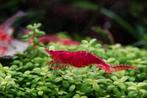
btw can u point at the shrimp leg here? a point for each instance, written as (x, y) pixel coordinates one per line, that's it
(105, 68)
(60, 66)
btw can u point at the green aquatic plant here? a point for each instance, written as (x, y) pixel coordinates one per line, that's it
(33, 34)
(30, 76)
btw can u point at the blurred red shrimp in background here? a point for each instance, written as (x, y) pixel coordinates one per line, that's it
(45, 39)
(6, 26)
(69, 42)
(5, 38)
(6, 31)
(3, 50)
(49, 38)
(57, 39)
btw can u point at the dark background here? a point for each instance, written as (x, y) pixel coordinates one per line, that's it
(110, 21)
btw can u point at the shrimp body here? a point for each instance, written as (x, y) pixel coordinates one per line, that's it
(5, 37)
(6, 26)
(81, 59)
(56, 39)
(6, 29)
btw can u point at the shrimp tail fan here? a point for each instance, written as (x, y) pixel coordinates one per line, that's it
(121, 67)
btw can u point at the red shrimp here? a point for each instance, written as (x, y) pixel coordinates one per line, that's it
(5, 37)
(6, 29)
(6, 26)
(69, 42)
(3, 50)
(48, 38)
(57, 39)
(81, 59)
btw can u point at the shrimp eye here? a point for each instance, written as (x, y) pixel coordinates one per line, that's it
(51, 51)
